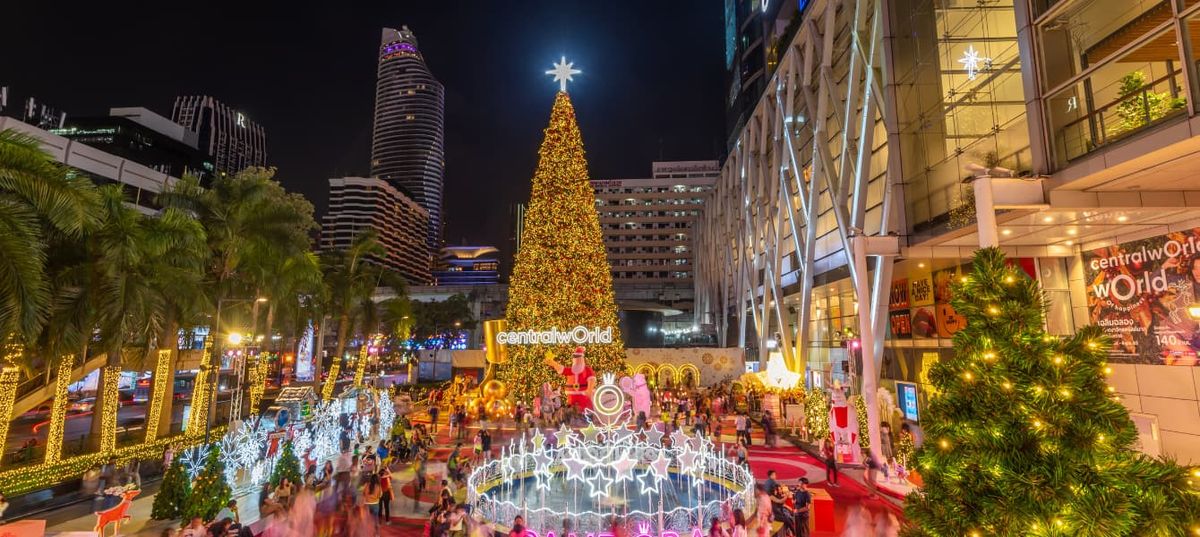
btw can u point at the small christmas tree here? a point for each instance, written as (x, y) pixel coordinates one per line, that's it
(860, 414)
(1024, 437)
(210, 492)
(816, 414)
(561, 277)
(172, 495)
(287, 466)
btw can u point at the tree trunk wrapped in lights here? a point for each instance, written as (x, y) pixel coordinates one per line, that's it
(561, 278)
(104, 411)
(201, 386)
(327, 389)
(1025, 438)
(58, 409)
(360, 367)
(161, 383)
(10, 376)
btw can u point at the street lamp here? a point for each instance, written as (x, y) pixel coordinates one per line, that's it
(234, 339)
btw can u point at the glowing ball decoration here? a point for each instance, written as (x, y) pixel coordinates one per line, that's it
(493, 389)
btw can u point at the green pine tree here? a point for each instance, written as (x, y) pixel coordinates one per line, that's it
(288, 466)
(172, 495)
(210, 492)
(1025, 438)
(816, 415)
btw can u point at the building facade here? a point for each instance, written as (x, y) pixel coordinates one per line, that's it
(895, 138)
(359, 204)
(140, 183)
(648, 233)
(468, 265)
(231, 139)
(407, 148)
(144, 137)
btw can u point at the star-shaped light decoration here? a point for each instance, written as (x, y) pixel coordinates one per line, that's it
(659, 465)
(648, 483)
(653, 435)
(590, 434)
(563, 71)
(563, 436)
(575, 468)
(679, 439)
(539, 442)
(542, 471)
(599, 483)
(619, 435)
(971, 61)
(623, 467)
(687, 463)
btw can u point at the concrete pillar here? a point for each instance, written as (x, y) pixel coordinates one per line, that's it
(870, 373)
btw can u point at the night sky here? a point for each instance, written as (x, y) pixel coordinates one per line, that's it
(651, 85)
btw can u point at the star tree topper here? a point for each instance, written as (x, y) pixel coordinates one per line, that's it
(563, 71)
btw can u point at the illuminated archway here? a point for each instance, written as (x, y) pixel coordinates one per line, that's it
(688, 376)
(667, 376)
(646, 370)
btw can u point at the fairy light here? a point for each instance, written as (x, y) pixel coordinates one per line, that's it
(200, 392)
(1007, 385)
(258, 382)
(360, 367)
(969, 376)
(1058, 360)
(944, 444)
(109, 404)
(161, 380)
(989, 356)
(993, 310)
(327, 389)
(1107, 370)
(9, 377)
(58, 409)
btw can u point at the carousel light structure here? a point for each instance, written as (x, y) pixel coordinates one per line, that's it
(648, 480)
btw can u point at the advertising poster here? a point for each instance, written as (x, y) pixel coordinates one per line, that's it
(948, 320)
(920, 299)
(906, 393)
(304, 355)
(1139, 292)
(900, 322)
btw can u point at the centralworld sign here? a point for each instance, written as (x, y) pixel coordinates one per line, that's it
(580, 335)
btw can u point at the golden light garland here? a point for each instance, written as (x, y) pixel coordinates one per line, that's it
(360, 368)
(258, 381)
(58, 409)
(110, 403)
(162, 379)
(200, 390)
(327, 390)
(10, 376)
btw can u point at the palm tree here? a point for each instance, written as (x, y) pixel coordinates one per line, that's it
(39, 200)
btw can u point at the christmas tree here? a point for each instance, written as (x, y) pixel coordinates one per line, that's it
(172, 495)
(561, 278)
(288, 466)
(1024, 436)
(210, 492)
(816, 415)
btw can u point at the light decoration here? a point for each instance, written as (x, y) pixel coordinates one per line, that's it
(193, 460)
(563, 72)
(360, 366)
(777, 375)
(163, 378)
(201, 386)
(593, 475)
(561, 277)
(258, 381)
(10, 375)
(334, 371)
(58, 409)
(109, 404)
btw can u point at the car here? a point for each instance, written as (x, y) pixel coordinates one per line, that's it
(40, 412)
(83, 405)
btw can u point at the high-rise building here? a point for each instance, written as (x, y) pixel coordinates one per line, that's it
(407, 141)
(757, 34)
(143, 137)
(30, 110)
(234, 142)
(648, 234)
(359, 204)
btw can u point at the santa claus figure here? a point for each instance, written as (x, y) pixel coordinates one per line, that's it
(578, 380)
(843, 425)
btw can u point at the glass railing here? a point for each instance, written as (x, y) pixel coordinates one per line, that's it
(1082, 122)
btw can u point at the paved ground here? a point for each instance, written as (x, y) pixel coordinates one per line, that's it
(856, 513)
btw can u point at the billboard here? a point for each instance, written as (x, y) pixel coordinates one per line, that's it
(1139, 292)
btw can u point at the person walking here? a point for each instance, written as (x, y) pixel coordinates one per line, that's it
(385, 500)
(433, 418)
(831, 470)
(372, 493)
(801, 504)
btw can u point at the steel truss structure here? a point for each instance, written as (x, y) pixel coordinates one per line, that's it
(809, 189)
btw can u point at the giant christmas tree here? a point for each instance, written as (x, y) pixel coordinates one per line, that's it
(561, 278)
(1025, 438)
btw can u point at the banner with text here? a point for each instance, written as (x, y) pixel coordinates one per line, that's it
(1139, 292)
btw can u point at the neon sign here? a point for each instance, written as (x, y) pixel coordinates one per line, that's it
(578, 335)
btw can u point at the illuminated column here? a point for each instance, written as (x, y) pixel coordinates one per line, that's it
(161, 382)
(327, 391)
(200, 389)
(360, 368)
(258, 379)
(58, 409)
(107, 404)
(9, 376)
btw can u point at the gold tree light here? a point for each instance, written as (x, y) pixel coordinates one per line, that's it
(200, 392)
(561, 278)
(10, 375)
(163, 379)
(58, 409)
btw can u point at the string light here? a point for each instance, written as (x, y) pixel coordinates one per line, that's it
(200, 391)
(1107, 370)
(993, 310)
(945, 444)
(1007, 385)
(58, 409)
(360, 367)
(1058, 360)
(969, 376)
(161, 381)
(334, 370)
(109, 403)
(10, 375)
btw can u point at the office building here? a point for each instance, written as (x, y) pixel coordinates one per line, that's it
(140, 183)
(359, 204)
(143, 137)
(756, 35)
(30, 110)
(228, 136)
(407, 140)
(648, 234)
(1060, 131)
(467, 265)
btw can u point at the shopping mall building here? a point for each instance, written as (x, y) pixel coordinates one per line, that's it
(896, 137)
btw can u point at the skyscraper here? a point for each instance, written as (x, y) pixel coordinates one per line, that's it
(234, 142)
(359, 204)
(407, 142)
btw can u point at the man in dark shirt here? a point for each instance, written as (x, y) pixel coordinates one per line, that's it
(801, 502)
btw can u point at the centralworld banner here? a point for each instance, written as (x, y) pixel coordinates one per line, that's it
(1139, 292)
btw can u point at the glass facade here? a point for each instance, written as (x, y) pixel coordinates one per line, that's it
(959, 98)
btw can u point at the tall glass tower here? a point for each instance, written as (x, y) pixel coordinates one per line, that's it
(407, 142)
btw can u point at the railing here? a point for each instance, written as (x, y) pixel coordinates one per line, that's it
(1121, 118)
